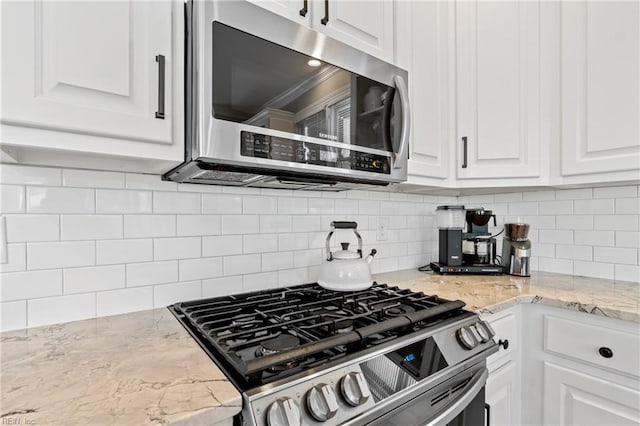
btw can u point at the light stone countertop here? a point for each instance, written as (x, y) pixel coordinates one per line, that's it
(144, 368)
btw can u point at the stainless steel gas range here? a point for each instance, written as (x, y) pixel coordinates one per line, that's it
(305, 355)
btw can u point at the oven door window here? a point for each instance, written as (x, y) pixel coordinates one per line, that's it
(260, 83)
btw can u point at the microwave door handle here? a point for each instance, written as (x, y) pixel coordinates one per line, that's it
(401, 87)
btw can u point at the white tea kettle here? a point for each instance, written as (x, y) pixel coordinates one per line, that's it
(346, 270)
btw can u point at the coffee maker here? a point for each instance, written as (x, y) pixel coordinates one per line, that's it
(465, 244)
(516, 249)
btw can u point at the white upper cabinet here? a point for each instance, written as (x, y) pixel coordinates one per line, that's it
(102, 70)
(497, 76)
(600, 88)
(367, 25)
(422, 40)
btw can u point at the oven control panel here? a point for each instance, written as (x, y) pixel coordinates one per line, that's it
(257, 145)
(331, 399)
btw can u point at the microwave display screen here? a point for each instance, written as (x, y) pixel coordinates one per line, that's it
(257, 145)
(260, 83)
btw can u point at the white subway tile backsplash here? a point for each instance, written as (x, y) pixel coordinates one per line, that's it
(167, 294)
(176, 202)
(116, 302)
(140, 181)
(307, 223)
(196, 225)
(149, 226)
(292, 205)
(262, 281)
(33, 228)
(583, 222)
(321, 206)
(306, 258)
(346, 206)
(628, 239)
(30, 284)
(220, 286)
(152, 273)
(63, 254)
(90, 227)
(506, 197)
(117, 201)
(626, 256)
(295, 241)
(60, 200)
(555, 236)
(277, 261)
(221, 245)
(615, 192)
(13, 315)
(571, 252)
(574, 194)
(273, 224)
(560, 266)
(260, 243)
(201, 268)
(29, 175)
(16, 258)
(290, 277)
(238, 224)
(556, 207)
(600, 206)
(176, 248)
(628, 206)
(259, 205)
(94, 278)
(12, 199)
(124, 251)
(221, 203)
(92, 179)
(523, 208)
(594, 238)
(627, 273)
(539, 196)
(51, 310)
(616, 222)
(593, 269)
(368, 207)
(242, 264)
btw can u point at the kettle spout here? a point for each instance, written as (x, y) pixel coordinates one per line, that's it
(370, 257)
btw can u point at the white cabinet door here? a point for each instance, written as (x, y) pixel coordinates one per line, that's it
(600, 63)
(498, 85)
(501, 393)
(92, 68)
(295, 10)
(364, 24)
(574, 398)
(422, 39)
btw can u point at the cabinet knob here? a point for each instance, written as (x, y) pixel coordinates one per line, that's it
(504, 343)
(605, 352)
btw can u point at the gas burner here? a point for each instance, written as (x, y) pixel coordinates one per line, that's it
(344, 326)
(399, 310)
(280, 343)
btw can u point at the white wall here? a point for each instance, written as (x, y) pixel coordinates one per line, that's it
(591, 232)
(85, 243)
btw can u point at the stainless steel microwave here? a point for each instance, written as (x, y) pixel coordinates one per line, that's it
(271, 103)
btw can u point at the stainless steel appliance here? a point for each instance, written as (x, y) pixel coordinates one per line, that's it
(306, 355)
(272, 103)
(478, 246)
(516, 249)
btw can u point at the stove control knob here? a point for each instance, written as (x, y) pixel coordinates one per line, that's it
(466, 338)
(484, 330)
(322, 402)
(354, 389)
(284, 412)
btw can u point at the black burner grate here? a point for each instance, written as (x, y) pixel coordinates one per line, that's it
(271, 334)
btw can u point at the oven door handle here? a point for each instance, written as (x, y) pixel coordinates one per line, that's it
(452, 411)
(401, 86)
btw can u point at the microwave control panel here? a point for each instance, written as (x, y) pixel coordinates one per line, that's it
(281, 149)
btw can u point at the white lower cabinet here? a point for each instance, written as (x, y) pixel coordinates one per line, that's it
(573, 397)
(502, 394)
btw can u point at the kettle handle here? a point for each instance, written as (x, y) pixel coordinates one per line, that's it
(343, 225)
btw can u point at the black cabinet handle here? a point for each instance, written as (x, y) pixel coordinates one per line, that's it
(487, 408)
(324, 20)
(342, 224)
(504, 343)
(605, 352)
(160, 111)
(305, 8)
(464, 152)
